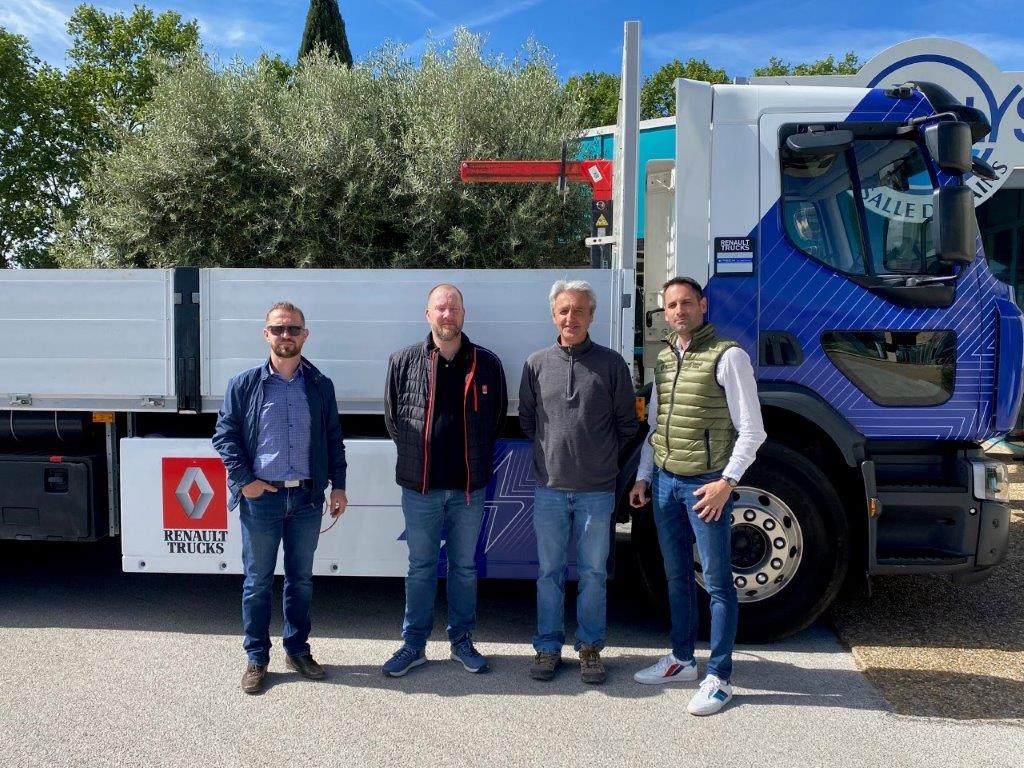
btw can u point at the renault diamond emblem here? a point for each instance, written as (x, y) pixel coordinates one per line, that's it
(194, 510)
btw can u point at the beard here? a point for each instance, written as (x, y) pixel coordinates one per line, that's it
(286, 351)
(447, 332)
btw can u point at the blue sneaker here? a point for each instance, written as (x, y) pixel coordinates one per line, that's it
(405, 658)
(464, 652)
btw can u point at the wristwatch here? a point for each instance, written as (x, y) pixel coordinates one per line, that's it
(732, 481)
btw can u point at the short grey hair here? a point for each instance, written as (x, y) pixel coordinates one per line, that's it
(579, 286)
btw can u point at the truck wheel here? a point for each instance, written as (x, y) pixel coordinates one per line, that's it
(790, 547)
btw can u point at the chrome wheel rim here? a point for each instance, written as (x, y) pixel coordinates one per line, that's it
(767, 545)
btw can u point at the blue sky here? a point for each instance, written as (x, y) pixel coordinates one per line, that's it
(581, 35)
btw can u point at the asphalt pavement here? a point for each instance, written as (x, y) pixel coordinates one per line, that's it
(101, 668)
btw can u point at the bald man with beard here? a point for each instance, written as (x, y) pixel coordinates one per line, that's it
(445, 404)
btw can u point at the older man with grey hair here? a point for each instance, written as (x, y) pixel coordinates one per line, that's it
(576, 401)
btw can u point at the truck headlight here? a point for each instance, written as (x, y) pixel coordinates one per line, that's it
(991, 480)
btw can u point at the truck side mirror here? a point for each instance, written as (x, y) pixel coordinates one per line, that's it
(950, 146)
(819, 143)
(954, 228)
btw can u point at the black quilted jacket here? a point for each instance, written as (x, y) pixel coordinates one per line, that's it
(408, 403)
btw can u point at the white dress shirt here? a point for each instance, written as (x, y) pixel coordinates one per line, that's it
(736, 376)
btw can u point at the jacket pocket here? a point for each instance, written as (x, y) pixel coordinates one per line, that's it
(707, 446)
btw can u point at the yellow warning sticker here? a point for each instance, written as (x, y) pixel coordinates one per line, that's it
(601, 221)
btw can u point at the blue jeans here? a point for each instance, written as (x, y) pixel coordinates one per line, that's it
(556, 514)
(287, 516)
(429, 518)
(678, 527)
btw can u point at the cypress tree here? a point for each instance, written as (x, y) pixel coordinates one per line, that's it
(325, 25)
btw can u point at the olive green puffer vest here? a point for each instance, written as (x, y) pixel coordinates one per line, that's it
(695, 434)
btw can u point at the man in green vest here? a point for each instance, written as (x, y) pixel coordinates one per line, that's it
(706, 427)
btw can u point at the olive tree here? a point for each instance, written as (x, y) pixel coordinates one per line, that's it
(337, 167)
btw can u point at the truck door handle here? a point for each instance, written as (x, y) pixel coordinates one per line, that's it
(649, 316)
(779, 348)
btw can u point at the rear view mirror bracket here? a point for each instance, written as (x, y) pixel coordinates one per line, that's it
(819, 143)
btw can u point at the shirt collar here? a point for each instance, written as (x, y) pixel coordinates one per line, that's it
(578, 349)
(268, 371)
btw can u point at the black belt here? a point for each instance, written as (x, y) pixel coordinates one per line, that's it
(307, 484)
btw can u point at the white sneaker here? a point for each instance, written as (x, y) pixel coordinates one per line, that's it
(667, 669)
(711, 697)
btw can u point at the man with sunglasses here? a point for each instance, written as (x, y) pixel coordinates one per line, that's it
(279, 437)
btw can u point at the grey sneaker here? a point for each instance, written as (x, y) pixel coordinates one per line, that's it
(252, 680)
(591, 667)
(544, 665)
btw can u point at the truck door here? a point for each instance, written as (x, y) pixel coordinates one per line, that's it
(849, 308)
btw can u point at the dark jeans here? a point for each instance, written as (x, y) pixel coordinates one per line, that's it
(429, 517)
(286, 516)
(678, 527)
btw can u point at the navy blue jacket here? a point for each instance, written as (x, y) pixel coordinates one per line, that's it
(238, 424)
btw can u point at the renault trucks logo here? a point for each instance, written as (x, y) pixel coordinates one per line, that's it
(195, 506)
(975, 81)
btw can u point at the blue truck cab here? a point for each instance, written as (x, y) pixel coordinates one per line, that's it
(838, 245)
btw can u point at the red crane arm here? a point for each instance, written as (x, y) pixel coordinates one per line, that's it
(596, 173)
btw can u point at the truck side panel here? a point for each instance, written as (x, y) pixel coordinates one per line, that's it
(100, 339)
(174, 492)
(357, 318)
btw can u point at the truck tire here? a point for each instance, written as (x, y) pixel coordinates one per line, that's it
(790, 547)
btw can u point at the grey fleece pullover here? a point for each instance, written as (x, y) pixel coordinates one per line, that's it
(578, 406)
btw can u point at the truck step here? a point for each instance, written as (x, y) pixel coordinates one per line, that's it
(920, 488)
(895, 560)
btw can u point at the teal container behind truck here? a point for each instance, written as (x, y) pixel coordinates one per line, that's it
(657, 142)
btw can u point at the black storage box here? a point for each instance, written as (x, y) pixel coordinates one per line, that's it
(53, 497)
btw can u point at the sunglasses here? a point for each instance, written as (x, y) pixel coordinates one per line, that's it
(278, 330)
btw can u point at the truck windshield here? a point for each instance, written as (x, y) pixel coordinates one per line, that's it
(864, 211)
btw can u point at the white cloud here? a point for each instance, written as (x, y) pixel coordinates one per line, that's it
(227, 31)
(420, 7)
(740, 53)
(42, 22)
(488, 16)
(1007, 52)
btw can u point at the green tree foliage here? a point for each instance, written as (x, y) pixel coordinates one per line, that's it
(776, 67)
(19, 133)
(340, 168)
(55, 123)
(658, 94)
(115, 59)
(597, 94)
(41, 119)
(324, 26)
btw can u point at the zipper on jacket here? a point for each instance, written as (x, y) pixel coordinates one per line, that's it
(569, 377)
(465, 418)
(476, 401)
(428, 419)
(672, 399)
(707, 445)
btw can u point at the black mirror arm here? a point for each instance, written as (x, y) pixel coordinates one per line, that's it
(982, 169)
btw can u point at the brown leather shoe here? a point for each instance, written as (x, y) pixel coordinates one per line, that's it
(305, 666)
(591, 667)
(252, 680)
(544, 665)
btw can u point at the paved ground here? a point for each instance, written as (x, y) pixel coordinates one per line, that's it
(101, 668)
